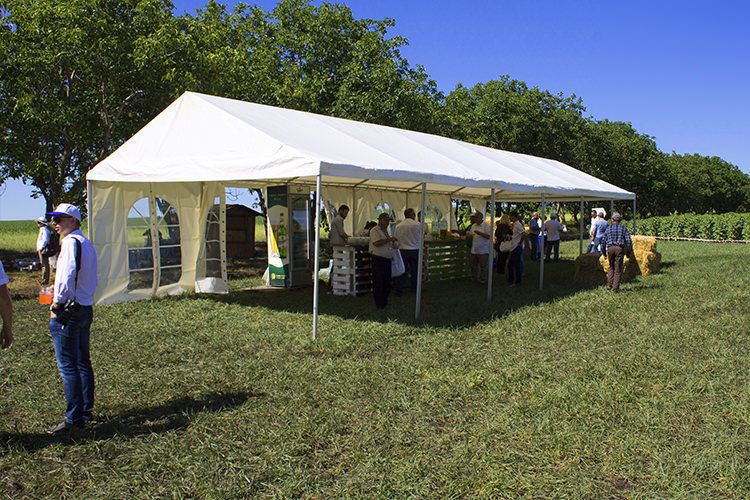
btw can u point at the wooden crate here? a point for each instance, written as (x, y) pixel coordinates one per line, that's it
(351, 273)
(446, 260)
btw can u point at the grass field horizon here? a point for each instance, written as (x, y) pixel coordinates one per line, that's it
(567, 392)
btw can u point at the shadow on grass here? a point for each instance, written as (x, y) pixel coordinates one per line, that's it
(451, 303)
(173, 415)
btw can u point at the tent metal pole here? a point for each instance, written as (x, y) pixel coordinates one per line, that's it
(580, 229)
(420, 260)
(316, 265)
(542, 250)
(90, 226)
(611, 207)
(492, 244)
(633, 214)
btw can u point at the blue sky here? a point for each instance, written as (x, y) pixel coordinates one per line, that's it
(678, 71)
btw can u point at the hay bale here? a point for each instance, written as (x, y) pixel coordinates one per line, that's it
(589, 270)
(644, 243)
(649, 260)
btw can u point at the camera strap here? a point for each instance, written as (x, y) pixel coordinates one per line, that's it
(78, 265)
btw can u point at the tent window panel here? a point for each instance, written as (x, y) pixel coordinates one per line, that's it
(170, 256)
(170, 275)
(140, 246)
(170, 253)
(213, 268)
(213, 241)
(141, 279)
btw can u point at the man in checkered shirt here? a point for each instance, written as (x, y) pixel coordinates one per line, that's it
(618, 243)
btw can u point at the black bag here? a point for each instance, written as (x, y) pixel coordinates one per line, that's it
(53, 247)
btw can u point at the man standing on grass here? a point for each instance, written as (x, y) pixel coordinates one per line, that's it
(552, 227)
(407, 234)
(592, 232)
(515, 267)
(534, 229)
(382, 248)
(71, 316)
(618, 243)
(6, 310)
(600, 227)
(481, 234)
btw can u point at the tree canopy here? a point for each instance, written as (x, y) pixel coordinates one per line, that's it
(79, 77)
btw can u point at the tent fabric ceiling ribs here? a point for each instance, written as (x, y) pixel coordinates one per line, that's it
(202, 138)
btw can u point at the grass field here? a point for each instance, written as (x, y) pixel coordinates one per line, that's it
(569, 392)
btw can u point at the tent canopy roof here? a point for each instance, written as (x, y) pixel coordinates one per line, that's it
(202, 138)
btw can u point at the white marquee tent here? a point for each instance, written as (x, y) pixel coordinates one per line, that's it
(182, 160)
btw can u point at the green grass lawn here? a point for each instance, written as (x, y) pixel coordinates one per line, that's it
(570, 392)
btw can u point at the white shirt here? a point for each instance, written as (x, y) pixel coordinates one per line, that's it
(385, 251)
(479, 244)
(65, 277)
(407, 234)
(3, 277)
(43, 239)
(517, 234)
(553, 229)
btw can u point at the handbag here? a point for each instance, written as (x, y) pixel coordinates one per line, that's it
(506, 246)
(397, 265)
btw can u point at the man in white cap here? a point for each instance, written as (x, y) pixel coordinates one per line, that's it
(71, 316)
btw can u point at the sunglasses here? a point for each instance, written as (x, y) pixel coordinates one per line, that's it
(59, 218)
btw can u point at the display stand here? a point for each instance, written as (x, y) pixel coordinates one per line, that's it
(446, 260)
(351, 273)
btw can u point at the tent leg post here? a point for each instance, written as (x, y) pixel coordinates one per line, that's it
(580, 230)
(633, 214)
(492, 243)
(611, 207)
(420, 260)
(316, 264)
(542, 251)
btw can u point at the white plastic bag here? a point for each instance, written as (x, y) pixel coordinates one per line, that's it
(397, 265)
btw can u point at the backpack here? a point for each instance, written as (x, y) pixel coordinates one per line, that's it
(53, 247)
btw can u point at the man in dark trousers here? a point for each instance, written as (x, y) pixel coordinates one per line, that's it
(71, 315)
(381, 248)
(618, 243)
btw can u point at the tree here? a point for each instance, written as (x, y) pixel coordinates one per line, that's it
(507, 114)
(77, 77)
(616, 153)
(708, 184)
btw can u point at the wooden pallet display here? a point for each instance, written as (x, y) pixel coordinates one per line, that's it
(352, 270)
(446, 260)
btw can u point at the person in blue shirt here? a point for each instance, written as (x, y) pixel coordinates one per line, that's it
(598, 229)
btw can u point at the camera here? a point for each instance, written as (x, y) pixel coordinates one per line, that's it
(69, 309)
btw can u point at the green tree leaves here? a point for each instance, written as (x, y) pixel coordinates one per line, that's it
(79, 77)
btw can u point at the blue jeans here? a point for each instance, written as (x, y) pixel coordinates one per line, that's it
(515, 266)
(72, 353)
(550, 245)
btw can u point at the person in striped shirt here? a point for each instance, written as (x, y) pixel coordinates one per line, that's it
(618, 243)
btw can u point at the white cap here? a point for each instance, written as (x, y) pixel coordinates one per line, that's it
(66, 209)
